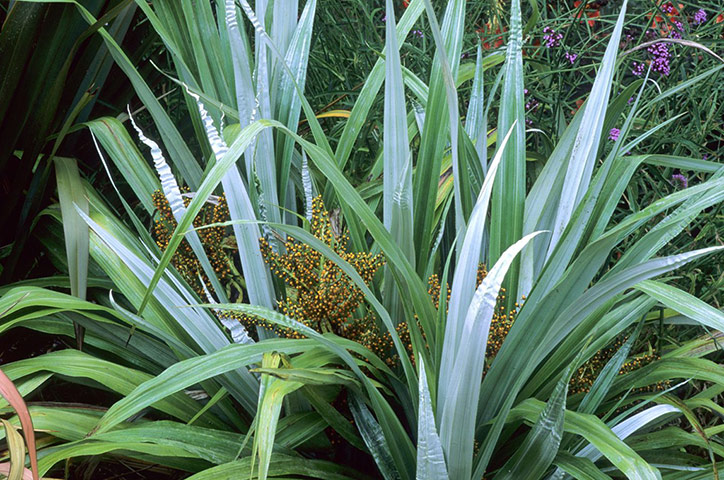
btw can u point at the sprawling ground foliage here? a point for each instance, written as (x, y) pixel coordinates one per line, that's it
(388, 239)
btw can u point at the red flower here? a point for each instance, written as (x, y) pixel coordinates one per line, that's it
(671, 11)
(720, 18)
(486, 31)
(405, 3)
(658, 19)
(591, 13)
(579, 103)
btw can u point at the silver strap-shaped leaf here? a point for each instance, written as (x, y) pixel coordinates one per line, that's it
(307, 183)
(170, 188)
(430, 458)
(218, 146)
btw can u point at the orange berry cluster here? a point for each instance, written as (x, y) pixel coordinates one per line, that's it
(500, 323)
(367, 333)
(381, 343)
(583, 379)
(500, 326)
(403, 331)
(319, 294)
(212, 239)
(434, 288)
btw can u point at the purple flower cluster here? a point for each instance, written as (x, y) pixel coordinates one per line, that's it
(418, 33)
(531, 106)
(637, 68)
(613, 134)
(700, 17)
(680, 179)
(571, 57)
(677, 30)
(668, 8)
(551, 37)
(660, 58)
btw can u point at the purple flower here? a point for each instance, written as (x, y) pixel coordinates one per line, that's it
(660, 60)
(551, 38)
(627, 40)
(531, 105)
(637, 68)
(630, 101)
(418, 33)
(571, 57)
(667, 8)
(677, 30)
(680, 179)
(613, 134)
(661, 65)
(700, 17)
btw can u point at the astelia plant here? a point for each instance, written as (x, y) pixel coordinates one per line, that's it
(450, 405)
